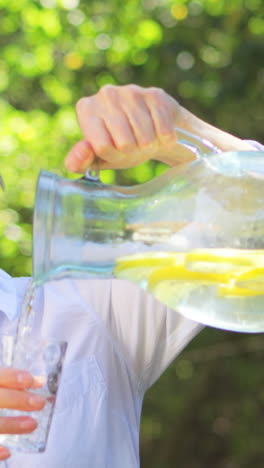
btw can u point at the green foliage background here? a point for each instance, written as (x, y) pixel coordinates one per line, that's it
(206, 411)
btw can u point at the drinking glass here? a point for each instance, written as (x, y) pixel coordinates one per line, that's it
(43, 358)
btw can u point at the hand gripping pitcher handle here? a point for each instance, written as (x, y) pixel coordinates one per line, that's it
(198, 146)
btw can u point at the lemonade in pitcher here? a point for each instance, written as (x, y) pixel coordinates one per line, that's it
(207, 285)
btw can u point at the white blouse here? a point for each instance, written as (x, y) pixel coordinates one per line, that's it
(120, 339)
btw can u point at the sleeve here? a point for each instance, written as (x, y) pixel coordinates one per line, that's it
(150, 334)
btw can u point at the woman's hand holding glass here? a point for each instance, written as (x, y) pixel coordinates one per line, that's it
(15, 393)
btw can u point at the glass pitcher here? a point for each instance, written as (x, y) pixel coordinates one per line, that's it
(193, 237)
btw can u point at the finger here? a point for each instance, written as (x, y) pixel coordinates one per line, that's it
(81, 155)
(15, 378)
(21, 400)
(39, 381)
(120, 132)
(141, 123)
(4, 453)
(161, 113)
(99, 137)
(17, 425)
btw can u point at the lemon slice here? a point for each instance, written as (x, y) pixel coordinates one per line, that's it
(227, 290)
(181, 274)
(150, 259)
(138, 267)
(223, 260)
(172, 292)
(252, 279)
(172, 283)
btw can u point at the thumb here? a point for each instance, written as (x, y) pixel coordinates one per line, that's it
(80, 157)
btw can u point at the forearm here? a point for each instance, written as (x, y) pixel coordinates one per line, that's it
(222, 140)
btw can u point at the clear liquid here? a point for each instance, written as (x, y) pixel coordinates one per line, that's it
(223, 288)
(27, 316)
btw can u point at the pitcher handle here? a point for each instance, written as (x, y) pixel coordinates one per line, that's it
(198, 146)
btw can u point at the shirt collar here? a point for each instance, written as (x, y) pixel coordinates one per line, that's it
(8, 297)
